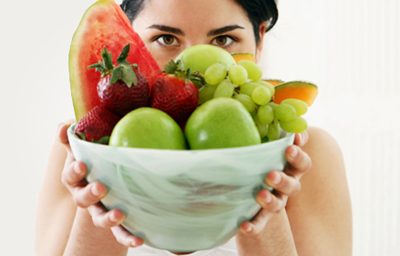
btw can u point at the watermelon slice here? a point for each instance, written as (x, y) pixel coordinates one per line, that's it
(104, 24)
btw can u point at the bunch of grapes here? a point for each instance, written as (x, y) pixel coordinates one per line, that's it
(243, 82)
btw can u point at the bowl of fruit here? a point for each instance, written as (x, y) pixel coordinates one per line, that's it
(181, 200)
(182, 150)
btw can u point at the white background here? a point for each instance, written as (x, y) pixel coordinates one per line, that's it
(351, 49)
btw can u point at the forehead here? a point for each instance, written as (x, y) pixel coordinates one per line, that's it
(190, 14)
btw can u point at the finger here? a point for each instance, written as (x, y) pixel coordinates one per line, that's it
(89, 195)
(283, 183)
(63, 137)
(96, 209)
(74, 174)
(257, 224)
(68, 161)
(125, 238)
(300, 139)
(270, 202)
(299, 161)
(105, 219)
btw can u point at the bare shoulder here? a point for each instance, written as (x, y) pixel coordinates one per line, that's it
(320, 215)
(321, 143)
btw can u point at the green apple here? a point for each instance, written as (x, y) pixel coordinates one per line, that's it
(148, 128)
(221, 123)
(201, 56)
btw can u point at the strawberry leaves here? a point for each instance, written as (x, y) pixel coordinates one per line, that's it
(173, 68)
(124, 54)
(122, 72)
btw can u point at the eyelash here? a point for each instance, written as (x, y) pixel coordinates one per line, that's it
(157, 38)
(234, 40)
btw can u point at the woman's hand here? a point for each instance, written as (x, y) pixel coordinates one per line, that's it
(88, 195)
(284, 183)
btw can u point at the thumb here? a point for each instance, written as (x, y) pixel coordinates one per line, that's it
(301, 139)
(63, 136)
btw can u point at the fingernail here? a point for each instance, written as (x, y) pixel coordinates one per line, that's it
(301, 139)
(60, 125)
(114, 217)
(276, 179)
(117, 216)
(96, 191)
(78, 169)
(133, 243)
(268, 198)
(304, 137)
(247, 228)
(293, 152)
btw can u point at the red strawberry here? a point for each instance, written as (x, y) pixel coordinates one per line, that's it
(174, 95)
(97, 125)
(121, 88)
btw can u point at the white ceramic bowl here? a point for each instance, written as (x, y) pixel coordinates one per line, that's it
(182, 200)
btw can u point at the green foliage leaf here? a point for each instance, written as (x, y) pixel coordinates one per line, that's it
(197, 79)
(103, 140)
(81, 135)
(124, 54)
(128, 75)
(107, 59)
(98, 66)
(171, 67)
(116, 75)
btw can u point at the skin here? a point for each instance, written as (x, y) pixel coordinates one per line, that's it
(308, 213)
(175, 34)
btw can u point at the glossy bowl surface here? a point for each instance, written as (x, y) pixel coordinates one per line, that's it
(182, 200)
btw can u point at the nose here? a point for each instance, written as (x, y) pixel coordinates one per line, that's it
(194, 42)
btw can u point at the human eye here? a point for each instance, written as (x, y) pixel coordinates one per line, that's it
(167, 40)
(223, 41)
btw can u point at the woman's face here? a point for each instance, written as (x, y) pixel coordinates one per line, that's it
(169, 26)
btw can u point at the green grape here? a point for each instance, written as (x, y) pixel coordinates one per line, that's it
(215, 74)
(206, 93)
(199, 57)
(268, 85)
(253, 70)
(265, 114)
(261, 95)
(300, 106)
(262, 129)
(234, 85)
(273, 105)
(248, 88)
(246, 101)
(224, 89)
(274, 131)
(285, 112)
(297, 125)
(238, 74)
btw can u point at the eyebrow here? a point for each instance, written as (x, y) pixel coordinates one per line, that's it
(179, 31)
(223, 30)
(168, 29)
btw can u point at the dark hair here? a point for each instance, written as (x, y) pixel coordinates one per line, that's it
(258, 11)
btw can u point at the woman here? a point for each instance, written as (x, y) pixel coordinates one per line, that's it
(313, 221)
